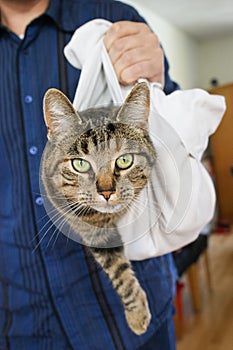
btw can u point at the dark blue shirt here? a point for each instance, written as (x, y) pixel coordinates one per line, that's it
(52, 294)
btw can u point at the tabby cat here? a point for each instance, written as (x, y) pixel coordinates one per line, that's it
(95, 164)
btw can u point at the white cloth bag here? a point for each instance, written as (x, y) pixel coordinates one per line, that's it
(180, 198)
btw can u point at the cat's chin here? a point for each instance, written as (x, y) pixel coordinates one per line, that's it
(109, 209)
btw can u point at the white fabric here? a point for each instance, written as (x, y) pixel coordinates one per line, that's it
(179, 200)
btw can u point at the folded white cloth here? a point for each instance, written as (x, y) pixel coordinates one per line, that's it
(180, 198)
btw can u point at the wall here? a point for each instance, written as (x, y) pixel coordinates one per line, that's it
(216, 61)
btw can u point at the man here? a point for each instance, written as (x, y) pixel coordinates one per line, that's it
(52, 294)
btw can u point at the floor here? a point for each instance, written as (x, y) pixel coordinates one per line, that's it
(212, 327)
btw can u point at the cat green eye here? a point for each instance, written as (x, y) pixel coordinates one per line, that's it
(81, 165)
(125, 161)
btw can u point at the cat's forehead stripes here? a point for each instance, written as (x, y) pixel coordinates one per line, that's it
(97, 139)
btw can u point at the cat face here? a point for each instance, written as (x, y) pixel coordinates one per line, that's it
(106, 171)
(101, 158)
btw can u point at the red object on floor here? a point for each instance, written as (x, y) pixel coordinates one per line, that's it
(179, 305)
(223, 227)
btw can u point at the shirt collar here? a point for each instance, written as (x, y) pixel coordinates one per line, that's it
(58, 12)
(61, 14)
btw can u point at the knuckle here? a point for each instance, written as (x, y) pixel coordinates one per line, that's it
(127, 58)
(134, 72)
(112, 33)
(141, 68)
(127, 77)
(156, 54)
(144, 70)
(116, 28)
(154, 65)
(144, 27)
(118, 45)
(153, 40)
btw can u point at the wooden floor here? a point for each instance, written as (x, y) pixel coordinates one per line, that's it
(212, 327)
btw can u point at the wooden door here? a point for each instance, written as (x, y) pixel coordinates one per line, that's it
(222, 149)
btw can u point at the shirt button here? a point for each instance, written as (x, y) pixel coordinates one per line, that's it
(28, 99)
(39, 201)
(33, 150)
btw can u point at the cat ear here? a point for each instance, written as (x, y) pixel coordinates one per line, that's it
(136, 107)
(59, 112)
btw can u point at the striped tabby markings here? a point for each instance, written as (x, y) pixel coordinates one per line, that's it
(133, 297)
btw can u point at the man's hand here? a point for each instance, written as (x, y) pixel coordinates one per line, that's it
(135, 52)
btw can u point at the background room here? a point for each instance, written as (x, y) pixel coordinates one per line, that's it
(197, 37)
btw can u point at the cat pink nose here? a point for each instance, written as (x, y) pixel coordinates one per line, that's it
(106, 194)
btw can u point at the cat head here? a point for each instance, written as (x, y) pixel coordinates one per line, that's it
(100, 158)
(60, 115)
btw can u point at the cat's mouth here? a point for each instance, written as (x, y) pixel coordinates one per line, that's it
(109, 208)
(109, 203)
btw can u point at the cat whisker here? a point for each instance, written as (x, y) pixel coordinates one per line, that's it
(49, 212)
(53, 222)
(59, 230)
(61, 196)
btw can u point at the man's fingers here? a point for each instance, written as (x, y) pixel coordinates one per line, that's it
(148, 41)
(135, 52)
(121, 29)
(143, 69)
